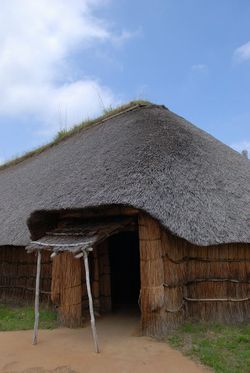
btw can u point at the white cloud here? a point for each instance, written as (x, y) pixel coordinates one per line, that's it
(243, 52)
(199, 67)
(36, 38)
(242, 145)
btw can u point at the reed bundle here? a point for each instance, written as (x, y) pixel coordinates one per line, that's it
(152, 277)
(67, 289)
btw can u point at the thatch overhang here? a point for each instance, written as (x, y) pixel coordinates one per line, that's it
(75, 239)
(148, 158)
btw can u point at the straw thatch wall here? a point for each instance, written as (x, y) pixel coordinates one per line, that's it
(152, 276)
(68, 288)
(18, 276)
(181, 281)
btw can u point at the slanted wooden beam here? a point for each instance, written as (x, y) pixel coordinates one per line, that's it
(38, 271)
(91, 308)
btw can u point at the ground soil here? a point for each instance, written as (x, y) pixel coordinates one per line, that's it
(71, 351)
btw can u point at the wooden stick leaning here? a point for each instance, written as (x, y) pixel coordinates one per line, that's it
(91, 309)
(38, 271)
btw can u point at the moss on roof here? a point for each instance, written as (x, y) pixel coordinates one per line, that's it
(64, 134)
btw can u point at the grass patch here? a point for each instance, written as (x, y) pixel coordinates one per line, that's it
(22, 318)
(224, 348)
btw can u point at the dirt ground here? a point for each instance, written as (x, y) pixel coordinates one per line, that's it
(71, 351)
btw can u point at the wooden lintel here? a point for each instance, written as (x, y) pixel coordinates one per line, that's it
(101, 212)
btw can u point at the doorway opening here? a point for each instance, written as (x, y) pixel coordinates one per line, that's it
(124, 261)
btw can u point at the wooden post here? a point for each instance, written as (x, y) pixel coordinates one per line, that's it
(91, 310)
(38, 270)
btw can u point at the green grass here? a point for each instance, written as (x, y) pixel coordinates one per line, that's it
(224, 348)
(22, 318)
(64, 134)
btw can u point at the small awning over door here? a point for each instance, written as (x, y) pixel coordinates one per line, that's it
(79, 239)
(76, 238)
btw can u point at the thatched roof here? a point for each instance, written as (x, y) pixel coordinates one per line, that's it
(148, 158)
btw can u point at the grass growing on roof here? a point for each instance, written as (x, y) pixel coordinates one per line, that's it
(224, 348)
(64, 134)
(22, 318)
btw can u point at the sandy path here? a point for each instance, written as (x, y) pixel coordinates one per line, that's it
(71, 351)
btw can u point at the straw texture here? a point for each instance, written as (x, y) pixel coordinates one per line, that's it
(148, 158)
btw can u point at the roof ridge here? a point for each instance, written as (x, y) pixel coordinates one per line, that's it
(131, 106)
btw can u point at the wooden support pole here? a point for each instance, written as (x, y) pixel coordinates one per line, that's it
(38, 271)
(91, 309)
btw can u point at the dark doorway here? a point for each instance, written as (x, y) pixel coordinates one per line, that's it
(125, 270)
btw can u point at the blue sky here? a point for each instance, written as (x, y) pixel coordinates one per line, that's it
(61, 61)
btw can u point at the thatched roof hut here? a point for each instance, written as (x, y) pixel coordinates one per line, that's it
(190, 190)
